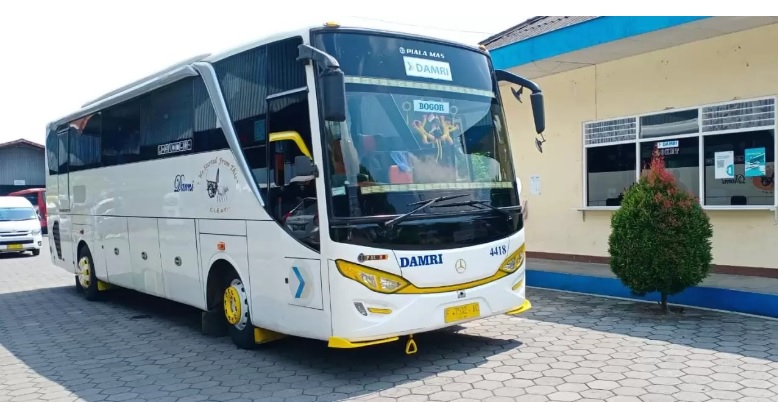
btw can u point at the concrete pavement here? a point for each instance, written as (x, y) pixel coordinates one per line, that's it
(56, 346)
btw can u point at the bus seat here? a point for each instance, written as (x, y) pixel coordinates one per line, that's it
(371, 158)
(399, 176)
(367, 143)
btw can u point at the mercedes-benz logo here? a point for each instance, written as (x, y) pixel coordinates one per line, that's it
(460, 266)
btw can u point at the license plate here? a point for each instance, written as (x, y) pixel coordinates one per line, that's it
(463, 312)
(14, 246)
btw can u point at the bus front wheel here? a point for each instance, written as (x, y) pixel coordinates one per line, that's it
(236, 312)
(86, 280)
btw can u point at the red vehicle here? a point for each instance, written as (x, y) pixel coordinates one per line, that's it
(36, 196)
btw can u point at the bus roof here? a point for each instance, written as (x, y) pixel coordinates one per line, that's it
(184, 68)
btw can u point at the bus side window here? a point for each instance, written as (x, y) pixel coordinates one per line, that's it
(293, 202)
(289, 113)
(243, 81)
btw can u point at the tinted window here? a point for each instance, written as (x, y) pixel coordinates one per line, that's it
(752, 179)
(85, 142)
(242, 79)
(166, 121)
(682, 159)
(121, 133)
(610, 170)
(207, 136)
(406, 59)
(62, 146)
(246, 80)
(284, 72)
(52, 151)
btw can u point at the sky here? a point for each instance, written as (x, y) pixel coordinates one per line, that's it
(57, 55)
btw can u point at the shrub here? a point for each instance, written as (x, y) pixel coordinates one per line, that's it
(660, 237)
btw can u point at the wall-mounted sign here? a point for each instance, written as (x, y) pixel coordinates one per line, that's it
(755, 162)
(725, 165)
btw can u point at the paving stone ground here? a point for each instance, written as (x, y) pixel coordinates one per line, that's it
(55, 346)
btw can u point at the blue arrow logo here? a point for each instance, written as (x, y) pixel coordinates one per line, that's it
(301, 285)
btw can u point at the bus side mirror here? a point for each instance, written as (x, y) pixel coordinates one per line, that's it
(331, 81)
(536, 100)
(333, 93)
(538, 112)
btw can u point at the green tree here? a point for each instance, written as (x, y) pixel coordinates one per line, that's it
(660, 238)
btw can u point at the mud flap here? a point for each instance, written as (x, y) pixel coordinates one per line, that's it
(213, 323)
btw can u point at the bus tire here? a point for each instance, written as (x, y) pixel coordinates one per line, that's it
(86, 280)
(235, 304)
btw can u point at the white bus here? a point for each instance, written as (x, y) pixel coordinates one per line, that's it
(342, 184)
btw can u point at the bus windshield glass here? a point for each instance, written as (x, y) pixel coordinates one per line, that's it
(423, 121)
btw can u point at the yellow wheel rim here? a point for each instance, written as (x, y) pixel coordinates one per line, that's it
(232, 305)
(83, 274)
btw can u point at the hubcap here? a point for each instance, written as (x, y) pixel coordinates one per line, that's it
(84, 272)
(236, 304)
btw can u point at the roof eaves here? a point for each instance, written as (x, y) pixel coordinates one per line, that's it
(21, 141)
(531, 28)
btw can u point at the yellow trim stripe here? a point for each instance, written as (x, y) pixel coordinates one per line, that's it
(386, 82)
(389, 188)
(352, 271)
(521, 309)
(341, 343)
(453, 288)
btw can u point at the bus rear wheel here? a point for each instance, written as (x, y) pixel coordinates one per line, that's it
(86, 280)
(236, 312)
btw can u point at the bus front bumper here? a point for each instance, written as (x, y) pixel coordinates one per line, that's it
(365, 318)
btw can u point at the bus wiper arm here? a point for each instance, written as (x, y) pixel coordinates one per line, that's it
(421, 205)
(478, 203)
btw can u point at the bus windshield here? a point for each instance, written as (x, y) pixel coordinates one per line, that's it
(423, 121)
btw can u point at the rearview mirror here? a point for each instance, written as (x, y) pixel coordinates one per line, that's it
(538, 112)
(333, 95)
(536, 99)
(331, 80)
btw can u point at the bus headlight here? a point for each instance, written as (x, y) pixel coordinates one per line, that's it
(373, 279)
(35, 232)
(514, 261)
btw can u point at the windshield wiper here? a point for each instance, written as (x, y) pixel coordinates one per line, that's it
(477, 204)
(421, 205)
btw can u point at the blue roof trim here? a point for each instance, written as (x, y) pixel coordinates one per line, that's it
(581, 36)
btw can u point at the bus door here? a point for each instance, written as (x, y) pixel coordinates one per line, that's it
(61, 229)
(288, 267)
(64, 168)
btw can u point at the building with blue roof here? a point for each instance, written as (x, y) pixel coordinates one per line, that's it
(700, 89)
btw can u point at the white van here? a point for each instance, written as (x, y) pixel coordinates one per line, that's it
(20, 226)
